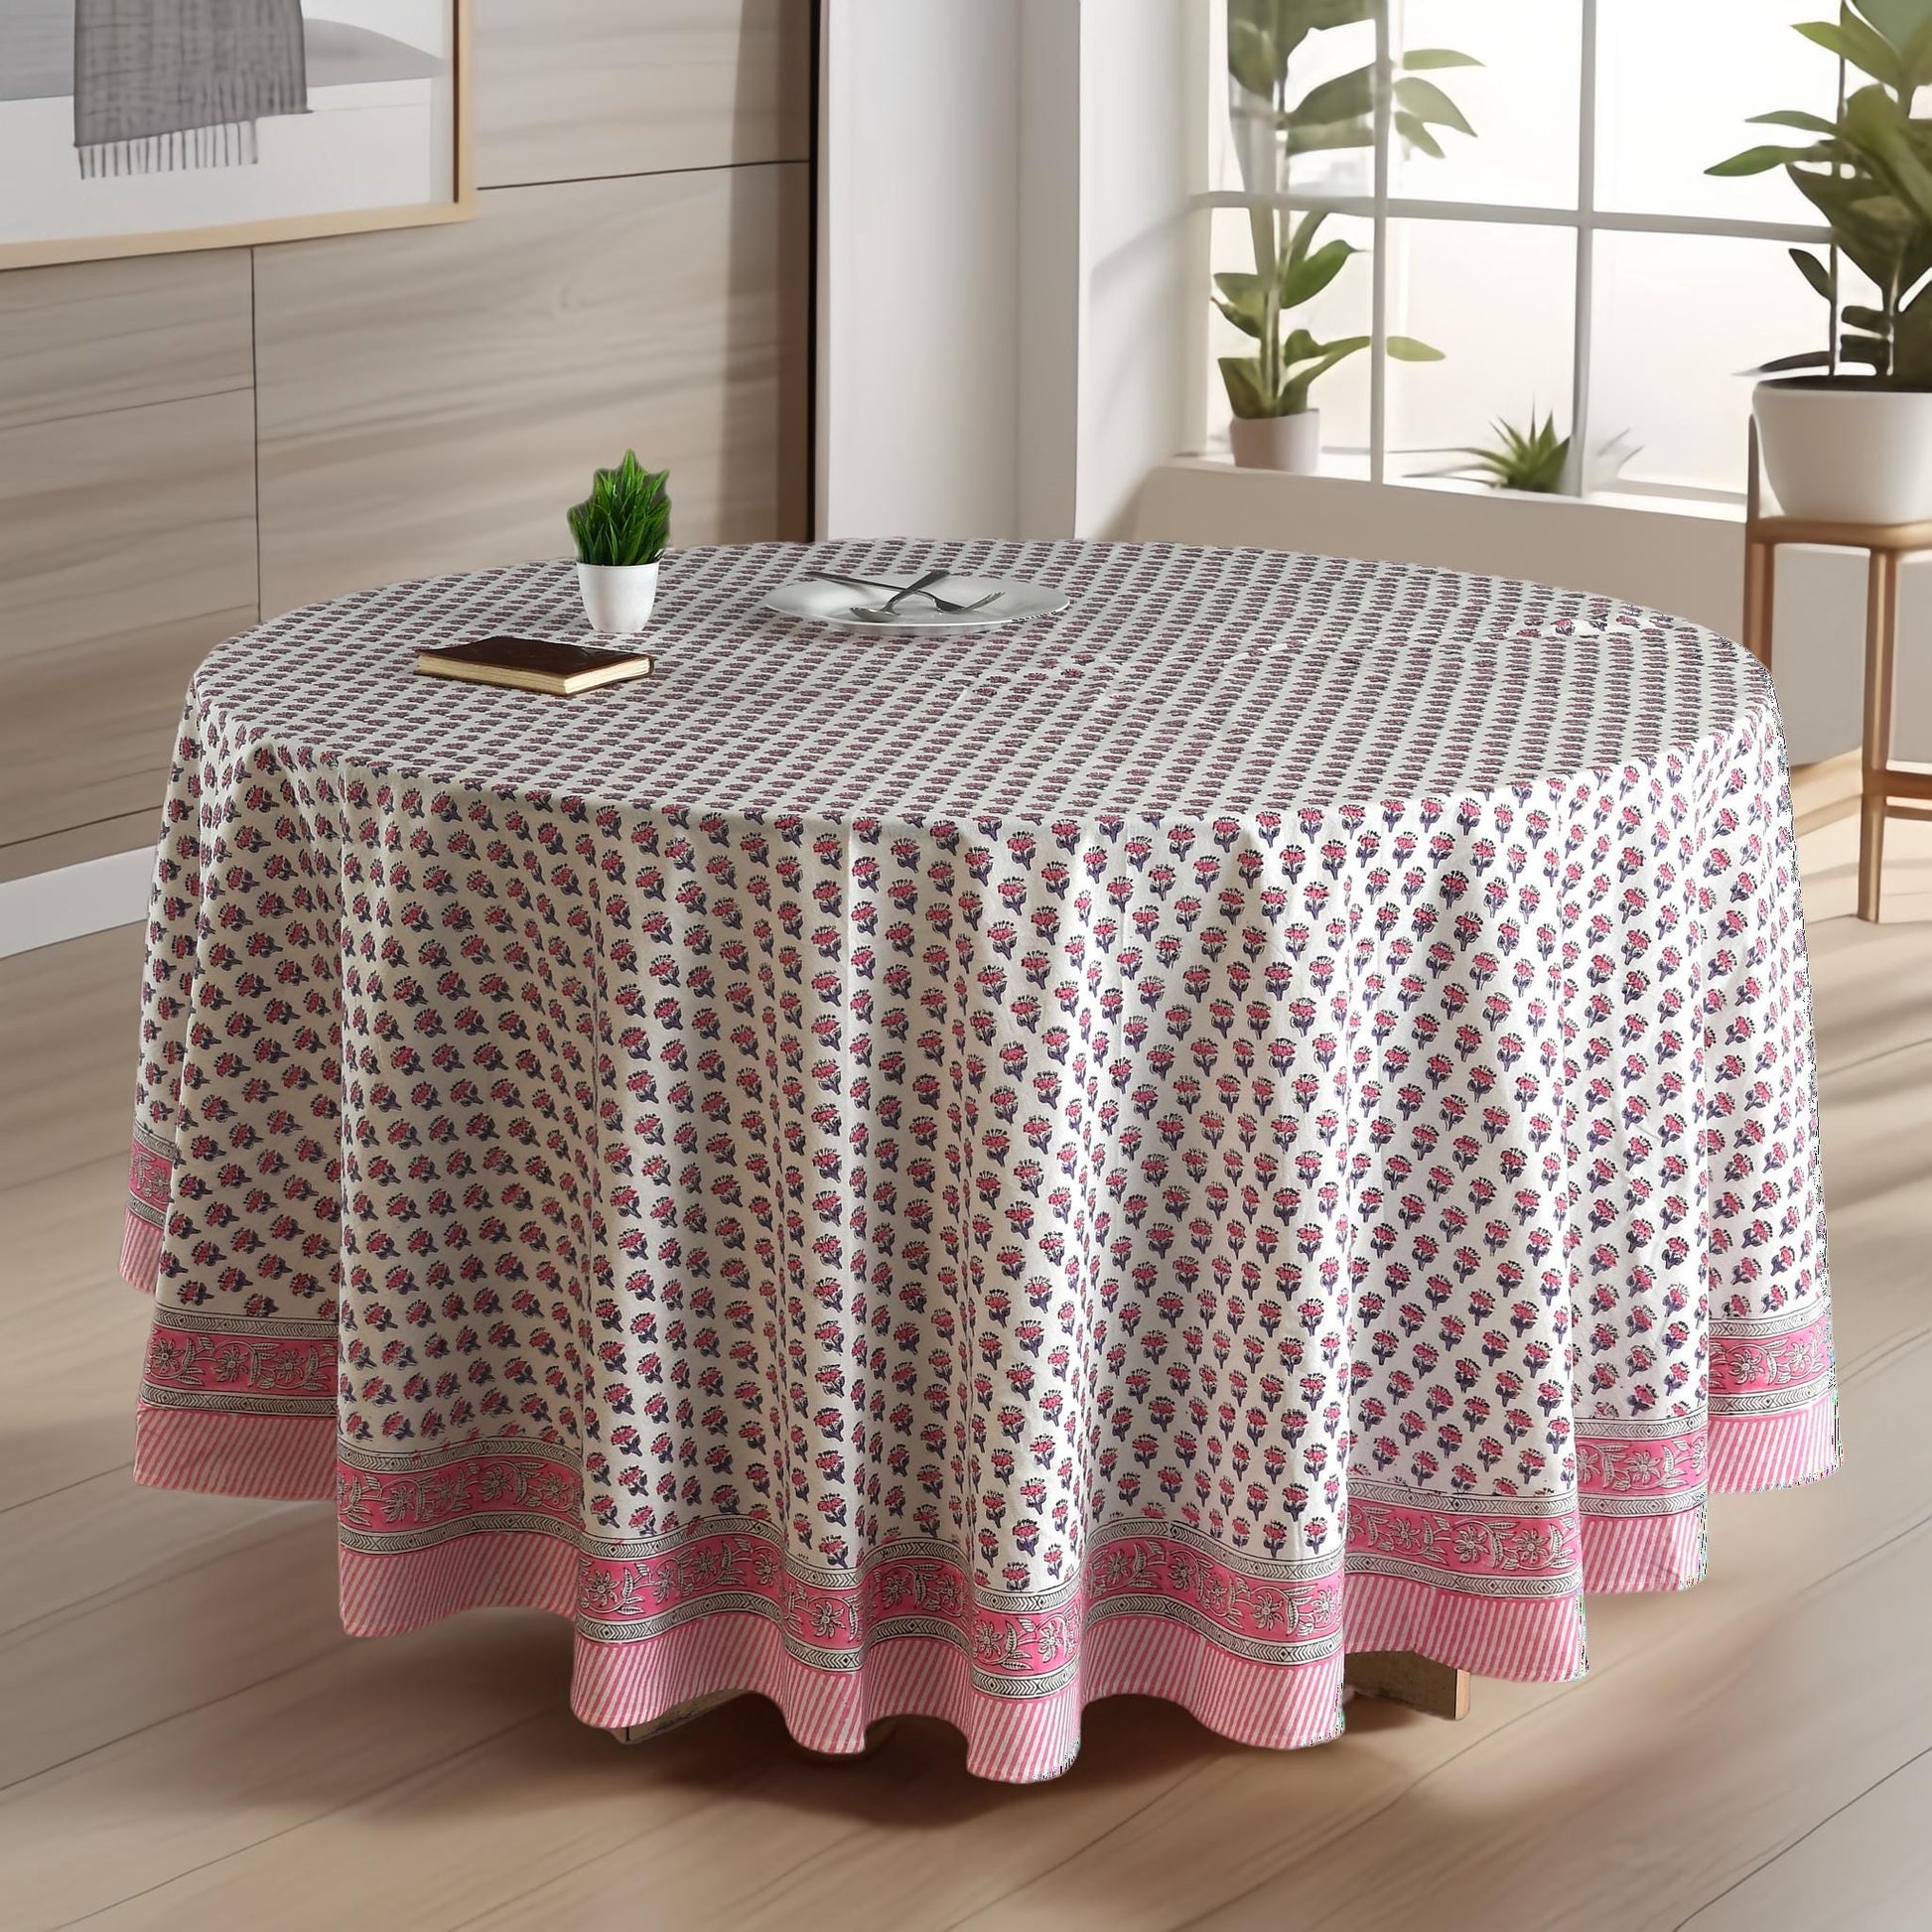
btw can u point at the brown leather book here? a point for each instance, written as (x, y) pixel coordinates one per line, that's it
(549, 664)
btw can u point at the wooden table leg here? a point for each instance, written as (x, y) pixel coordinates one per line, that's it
(879, 1734)
(675, 1718)
(1880, 641)
(1760, 596)
(1402, 1676)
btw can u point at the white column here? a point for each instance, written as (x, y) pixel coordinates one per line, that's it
(1004, 261)
(918, 370)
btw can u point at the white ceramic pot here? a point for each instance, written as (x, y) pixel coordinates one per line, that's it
(618, 597)
(1845, 451)
(1291, 443)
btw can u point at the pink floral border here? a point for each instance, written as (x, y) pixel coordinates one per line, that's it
(1253, 1649)
(1155, 1616)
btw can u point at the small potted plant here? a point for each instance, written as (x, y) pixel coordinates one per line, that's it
(621, 530)
(1274, 427)
(1842, 446)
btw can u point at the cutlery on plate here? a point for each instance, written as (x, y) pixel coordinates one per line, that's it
(884, 612)
(852, 583)
(878, 613)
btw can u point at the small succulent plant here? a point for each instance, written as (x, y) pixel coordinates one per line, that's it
(627, 517)
(1531, 460)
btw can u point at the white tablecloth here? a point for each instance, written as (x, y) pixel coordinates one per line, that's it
(1269, 1114)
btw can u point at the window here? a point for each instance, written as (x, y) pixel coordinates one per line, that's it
(1569, 257)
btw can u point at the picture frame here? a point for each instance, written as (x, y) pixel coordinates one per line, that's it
(456, 168)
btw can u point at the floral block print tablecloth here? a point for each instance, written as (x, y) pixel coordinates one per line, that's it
(1269, 1114)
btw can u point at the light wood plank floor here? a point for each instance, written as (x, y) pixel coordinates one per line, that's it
(188, 1739)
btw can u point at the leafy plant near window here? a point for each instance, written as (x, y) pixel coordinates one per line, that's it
(1275, 382)
(1264, 36)
(1869, 173)
(627, 517)
(1270, 129)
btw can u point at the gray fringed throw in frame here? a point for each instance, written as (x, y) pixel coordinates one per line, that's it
(181, 83)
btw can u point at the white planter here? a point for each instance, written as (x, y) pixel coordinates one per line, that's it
(1841, 452)
(618, 597)
(1291, 443)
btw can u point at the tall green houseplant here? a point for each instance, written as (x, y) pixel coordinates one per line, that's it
(1272, 124)
(1840, 447)
(1869, 173)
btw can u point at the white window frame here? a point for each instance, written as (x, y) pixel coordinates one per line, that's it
(1586, 220)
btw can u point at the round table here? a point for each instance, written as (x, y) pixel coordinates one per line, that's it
(1267, 1114)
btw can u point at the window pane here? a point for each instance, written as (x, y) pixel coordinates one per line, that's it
(1326, 56)
(1498, 301)
(1341, 309)
(1246, 148)
(1676, 81)
(1675, 321)
(1522, 102)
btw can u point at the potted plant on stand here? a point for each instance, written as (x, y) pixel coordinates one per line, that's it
(1274, 427)
(621, 530)
(1844, 446)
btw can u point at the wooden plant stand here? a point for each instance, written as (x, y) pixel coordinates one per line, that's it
(1886, 790)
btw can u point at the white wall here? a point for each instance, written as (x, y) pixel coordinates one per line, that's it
(919, 349)
(1141, 74)
(1004, 325)
(1049, 316)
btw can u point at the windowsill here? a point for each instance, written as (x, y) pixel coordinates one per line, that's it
(1703, 509)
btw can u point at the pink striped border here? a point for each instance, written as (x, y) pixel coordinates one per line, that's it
(227, 1454)
(140, 1253)
(1540, 1639)
(1772, 1451)
(389, 1594)
(1623, 1554)
(1015, 1740)
(513, 1570)
(1010, 1739)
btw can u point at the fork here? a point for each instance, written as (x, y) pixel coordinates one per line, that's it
(882, 613)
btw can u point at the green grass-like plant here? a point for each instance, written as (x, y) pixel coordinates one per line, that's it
(1531, 460)
(627, 517)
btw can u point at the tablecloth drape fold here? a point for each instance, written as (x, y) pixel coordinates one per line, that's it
(898, 1257)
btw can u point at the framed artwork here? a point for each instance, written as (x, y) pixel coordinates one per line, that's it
(132, 127)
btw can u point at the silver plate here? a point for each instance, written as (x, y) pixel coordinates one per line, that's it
(826, 602)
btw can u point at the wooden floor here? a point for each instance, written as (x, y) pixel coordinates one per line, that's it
(188, 1739)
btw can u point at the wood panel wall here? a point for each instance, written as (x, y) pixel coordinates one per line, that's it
(188, 441)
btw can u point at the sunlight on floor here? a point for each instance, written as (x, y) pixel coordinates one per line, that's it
(1829, 861)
